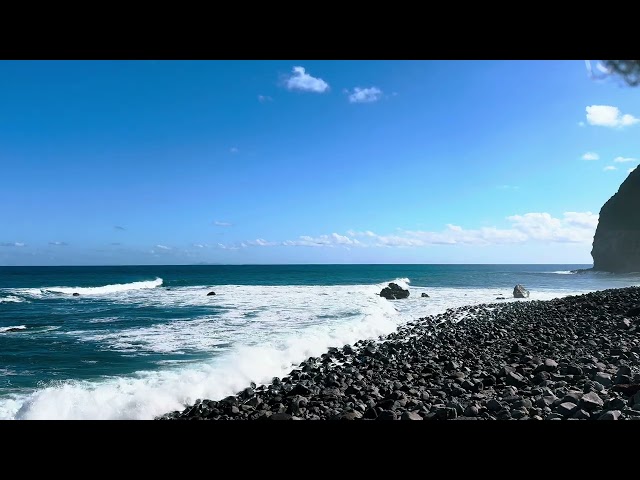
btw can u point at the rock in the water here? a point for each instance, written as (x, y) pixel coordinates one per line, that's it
(616, 243)
(210, 293)
(520, 292)
(76, 294)
(424, 295)
(394, 292)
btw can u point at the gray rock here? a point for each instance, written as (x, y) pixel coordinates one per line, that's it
(591, 401)
(410, 416)
(610, 415)
(520, 292)
(566, 409)
(603, 378)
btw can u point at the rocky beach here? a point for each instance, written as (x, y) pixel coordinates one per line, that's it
(570, 358)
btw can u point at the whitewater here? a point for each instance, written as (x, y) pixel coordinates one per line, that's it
(174, 344)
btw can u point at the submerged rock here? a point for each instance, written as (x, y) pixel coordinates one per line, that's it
(210, 293)
(75, 294)
(394, 292)
(424, 295)
(520, 292)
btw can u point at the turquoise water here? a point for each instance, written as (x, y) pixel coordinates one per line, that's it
(139, 341)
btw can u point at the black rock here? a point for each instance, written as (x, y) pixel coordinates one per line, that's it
(633, 312)
(75, 294)
(520, 292)
(394, 292)
(591, 401)
(424, 295)
(610, 415)
(210, 293)
(280, 416)
(410, 416)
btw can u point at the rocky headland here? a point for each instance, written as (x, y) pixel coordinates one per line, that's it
(616, 244)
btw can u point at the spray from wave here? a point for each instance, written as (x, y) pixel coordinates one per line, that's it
(12, 299)
(14, 328)
(104, 290)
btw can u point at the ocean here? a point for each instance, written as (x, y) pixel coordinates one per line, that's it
(140, 341)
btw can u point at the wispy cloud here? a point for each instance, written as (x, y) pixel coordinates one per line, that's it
(229, 247)
(581, 124)
(365, 95)
(118, 227)
(218, 223)
(260, 242)
(331, 240)
(608, 168)
(163, 247)
(573, 227)
(264, 98)
(591, 156)
(234, 150)
(631, 169)
(624, 159)
(200, 245)
(12, 244)
(59, 244)
(608, 116)
(301, 80)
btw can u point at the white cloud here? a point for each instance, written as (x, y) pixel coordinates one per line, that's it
(608, 116)
(234, 150)
(264, 98)
(163, 247)
(591, 156)
(229, 247)
(573, 227)
(624, 159)
(59, 244)
(631, 169)
(200, 245)
(331, 240)
(365, 95)
(12, 244)
(581, 124)
(222, 224)
(608, 168)
(260, 242)
(301, 80)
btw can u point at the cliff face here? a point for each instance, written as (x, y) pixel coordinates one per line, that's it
(616, 244)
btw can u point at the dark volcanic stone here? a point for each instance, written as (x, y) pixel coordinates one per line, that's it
(210, 294)
(610, 415)
(566, 409)
(280, 416)
(351, 416)
(410, 416)
(394, 292)
(591, 401)
(515, 379)
(633, 312)
(424, 295)
(520, 292)
(386, 415)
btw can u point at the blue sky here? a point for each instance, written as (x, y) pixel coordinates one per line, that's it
(178, 162)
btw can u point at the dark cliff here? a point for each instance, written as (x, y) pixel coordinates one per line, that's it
(616, 244)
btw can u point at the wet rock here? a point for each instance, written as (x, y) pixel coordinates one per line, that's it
(520, 292)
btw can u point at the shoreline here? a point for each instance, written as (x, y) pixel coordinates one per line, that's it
(575, 357)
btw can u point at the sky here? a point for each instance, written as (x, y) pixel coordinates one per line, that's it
(308, 161)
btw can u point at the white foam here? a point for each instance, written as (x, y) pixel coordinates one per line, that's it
(256, 333)
(12, 299)
(104, 290)
(16, 327)
(564, 272)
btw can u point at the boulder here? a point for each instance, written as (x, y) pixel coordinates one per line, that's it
(520, 292)
(616, 243)
(210, 293)
(424, 295)
(394, 292)
(76, 294)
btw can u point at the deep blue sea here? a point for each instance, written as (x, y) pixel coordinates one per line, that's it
(140, 341)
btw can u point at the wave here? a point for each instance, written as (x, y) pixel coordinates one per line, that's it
(12, 299)
(12, 328)
(104, 290)
(564, 272)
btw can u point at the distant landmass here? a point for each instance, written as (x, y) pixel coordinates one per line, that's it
(616, 243)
